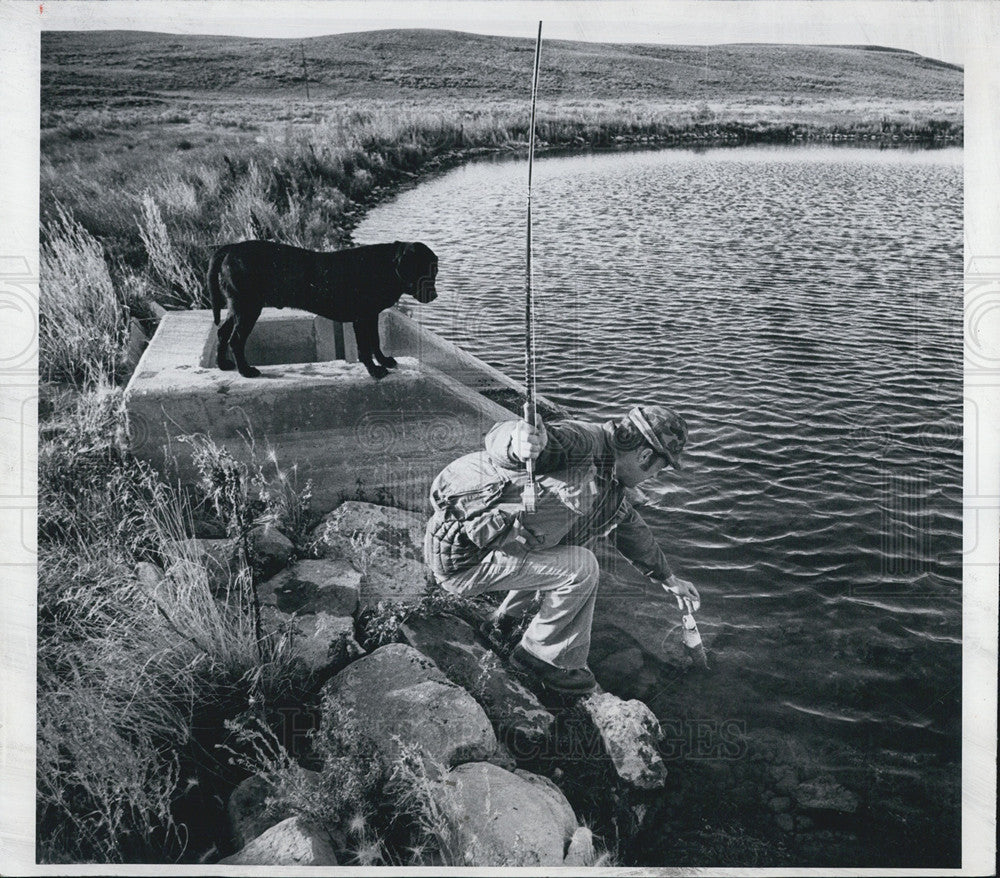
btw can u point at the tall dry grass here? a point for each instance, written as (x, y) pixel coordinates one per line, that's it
(83, 314)
(177, 280)
(128, 658)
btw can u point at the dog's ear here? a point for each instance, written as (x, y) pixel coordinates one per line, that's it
(403, 249)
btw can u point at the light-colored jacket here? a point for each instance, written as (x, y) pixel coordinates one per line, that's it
(477, 500)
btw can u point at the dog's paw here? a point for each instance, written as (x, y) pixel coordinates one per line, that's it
(250, 372)
(388, 362)
(377, 372)
(226, 365)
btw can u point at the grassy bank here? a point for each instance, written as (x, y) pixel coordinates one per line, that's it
(157, 149)
(159, 211)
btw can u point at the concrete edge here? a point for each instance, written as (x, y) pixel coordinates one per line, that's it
(417, 338)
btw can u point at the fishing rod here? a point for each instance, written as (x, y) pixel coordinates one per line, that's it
(530, 494)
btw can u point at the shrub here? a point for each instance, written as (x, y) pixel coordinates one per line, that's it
(243, 494)
(422, 799)
(180, 285)
(352, 776)
(382, 624)
(288, 504)
(344, 795)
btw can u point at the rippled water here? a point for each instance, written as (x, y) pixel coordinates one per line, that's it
(802, 308)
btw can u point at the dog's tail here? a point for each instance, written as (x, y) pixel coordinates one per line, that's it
(214, 290)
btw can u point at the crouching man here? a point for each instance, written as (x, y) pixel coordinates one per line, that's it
(481, 539)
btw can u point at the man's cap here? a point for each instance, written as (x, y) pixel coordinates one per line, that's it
(664, 430)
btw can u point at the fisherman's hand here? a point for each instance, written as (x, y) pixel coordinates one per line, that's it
(527, 442)
(683, 589)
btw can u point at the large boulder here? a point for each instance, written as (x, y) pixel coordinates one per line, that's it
(330, 587)
(293, 842)
(497, 818)
(395, 531)
(321, 641)
(385, 544)
(516, 714)
(398, 696)
(394, 581)
(248, 809)
(630, 733)
(548, 788)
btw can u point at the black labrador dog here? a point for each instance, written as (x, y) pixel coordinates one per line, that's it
(349, 286)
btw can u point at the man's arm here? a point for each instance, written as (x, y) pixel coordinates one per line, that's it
(635, 541)
(564, 443)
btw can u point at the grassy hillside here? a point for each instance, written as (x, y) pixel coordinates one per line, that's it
(81, 69)
(136, 98)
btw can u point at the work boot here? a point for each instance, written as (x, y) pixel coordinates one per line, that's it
(572, 681)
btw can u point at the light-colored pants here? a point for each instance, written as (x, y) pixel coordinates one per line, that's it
(566, 577)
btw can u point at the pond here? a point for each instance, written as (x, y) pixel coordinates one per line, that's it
(802, 308)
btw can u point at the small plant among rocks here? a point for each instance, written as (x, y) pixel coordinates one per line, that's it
(366, 549)
(421, 798)
(287, 504)
(344, 797)
(228, 486)
(383, 624)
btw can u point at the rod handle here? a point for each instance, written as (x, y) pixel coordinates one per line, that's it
(529, 496)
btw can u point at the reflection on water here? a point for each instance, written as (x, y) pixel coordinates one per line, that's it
(802, 309)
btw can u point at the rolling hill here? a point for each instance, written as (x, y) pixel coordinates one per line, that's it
(122, 68)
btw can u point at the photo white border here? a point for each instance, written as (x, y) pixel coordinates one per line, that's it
(965, 32)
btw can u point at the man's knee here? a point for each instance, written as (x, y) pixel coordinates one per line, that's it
(583, 565)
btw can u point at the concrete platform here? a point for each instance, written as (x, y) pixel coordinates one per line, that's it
(352, 435)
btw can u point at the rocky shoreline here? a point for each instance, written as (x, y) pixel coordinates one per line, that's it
(441, 695)
(515, 775)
